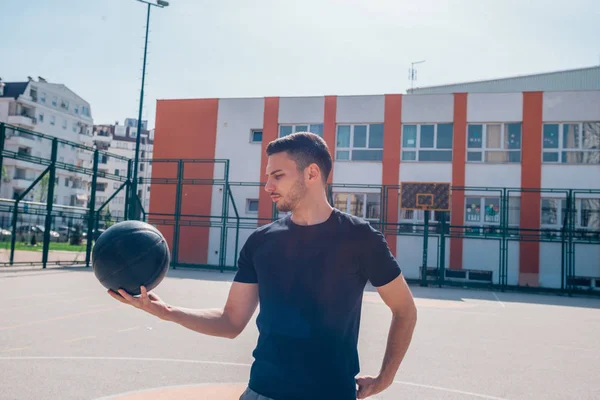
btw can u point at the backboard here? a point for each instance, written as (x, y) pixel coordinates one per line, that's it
(433, 196)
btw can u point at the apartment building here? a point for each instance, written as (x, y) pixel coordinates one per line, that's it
(539, 136)
(120, 140)
(55, 110)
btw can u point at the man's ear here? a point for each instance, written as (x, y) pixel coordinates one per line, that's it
(313, 173)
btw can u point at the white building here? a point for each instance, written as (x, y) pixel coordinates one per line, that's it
(54, 110)
(538, 139)
(120, 140)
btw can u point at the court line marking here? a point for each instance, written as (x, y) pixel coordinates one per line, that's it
(154, 389)
(129, 329)
(501, 303)
(25, 307)
(79, 339)
(173, 360)
(3, 328)
(46, 294)
(15, 349)
(483, 396)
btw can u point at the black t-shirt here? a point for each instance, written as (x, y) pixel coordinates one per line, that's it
(311, 281)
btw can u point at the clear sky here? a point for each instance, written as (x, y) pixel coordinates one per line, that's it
(256, 48)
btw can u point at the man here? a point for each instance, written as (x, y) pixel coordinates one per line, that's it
(309, 270)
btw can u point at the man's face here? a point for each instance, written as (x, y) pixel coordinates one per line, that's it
(285, 184)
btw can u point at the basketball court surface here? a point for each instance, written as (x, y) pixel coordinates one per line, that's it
(62, 337)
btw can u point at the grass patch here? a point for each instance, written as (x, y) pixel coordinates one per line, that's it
(40, 247)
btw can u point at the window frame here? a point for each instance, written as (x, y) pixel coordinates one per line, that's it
(351, 148)
(561, 210)
(483, 226)
(364, 196)
(484, 149)
(295, 125)
(252, 132)
(250, 200)
(418, 147)
(561, 149)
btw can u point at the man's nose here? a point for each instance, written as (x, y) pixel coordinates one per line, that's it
(269, 187)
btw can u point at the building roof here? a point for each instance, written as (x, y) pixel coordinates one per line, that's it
(573, 79)
(14, 89)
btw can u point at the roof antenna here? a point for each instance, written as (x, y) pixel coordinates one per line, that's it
(412, 73)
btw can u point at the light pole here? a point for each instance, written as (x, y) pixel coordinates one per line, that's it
(133, 207)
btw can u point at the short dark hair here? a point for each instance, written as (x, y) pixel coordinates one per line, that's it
(304, 148)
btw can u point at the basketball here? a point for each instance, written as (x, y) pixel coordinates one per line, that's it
(130, 254)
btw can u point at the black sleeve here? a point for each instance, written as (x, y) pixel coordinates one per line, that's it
(246, 272)
(379, 264)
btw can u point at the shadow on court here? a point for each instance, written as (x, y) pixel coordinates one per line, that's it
(432, 292)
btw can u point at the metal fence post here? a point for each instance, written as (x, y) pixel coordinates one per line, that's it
(425, 248)
(570, 245)
(178, 199)
(225, 219)
(2, 139)
(49, 203)
(503, 267)
(91, 211)
(442, 255)
(128, 191)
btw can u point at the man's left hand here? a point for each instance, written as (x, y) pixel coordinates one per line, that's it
(369, 386)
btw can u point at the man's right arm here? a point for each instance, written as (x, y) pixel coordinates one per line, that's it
(227, 322)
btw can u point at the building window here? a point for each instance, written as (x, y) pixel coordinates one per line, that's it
(484, 213)
(427, 142)
(494, 143)
(64, 125)
(571, 143)
(256, 135)
(54, 100)
(586, 213)
(52, 120)
(359, 142)
(41, 117)
(43, 98)
(363, 205)
(411, 219)
(251, 206)
(76, 109)
(33, 94)
(285, 130)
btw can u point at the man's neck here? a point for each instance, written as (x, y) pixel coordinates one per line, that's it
(312, 212)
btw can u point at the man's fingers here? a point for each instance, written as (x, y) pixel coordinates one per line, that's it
(116, 296)
(127, 296)
(153, 297)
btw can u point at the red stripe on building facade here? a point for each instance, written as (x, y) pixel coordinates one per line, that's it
(392, 139)
(270, 133)
(531, 178)
(459, 149)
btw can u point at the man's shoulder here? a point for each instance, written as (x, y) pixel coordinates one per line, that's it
(352, 222)
(271, 227)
